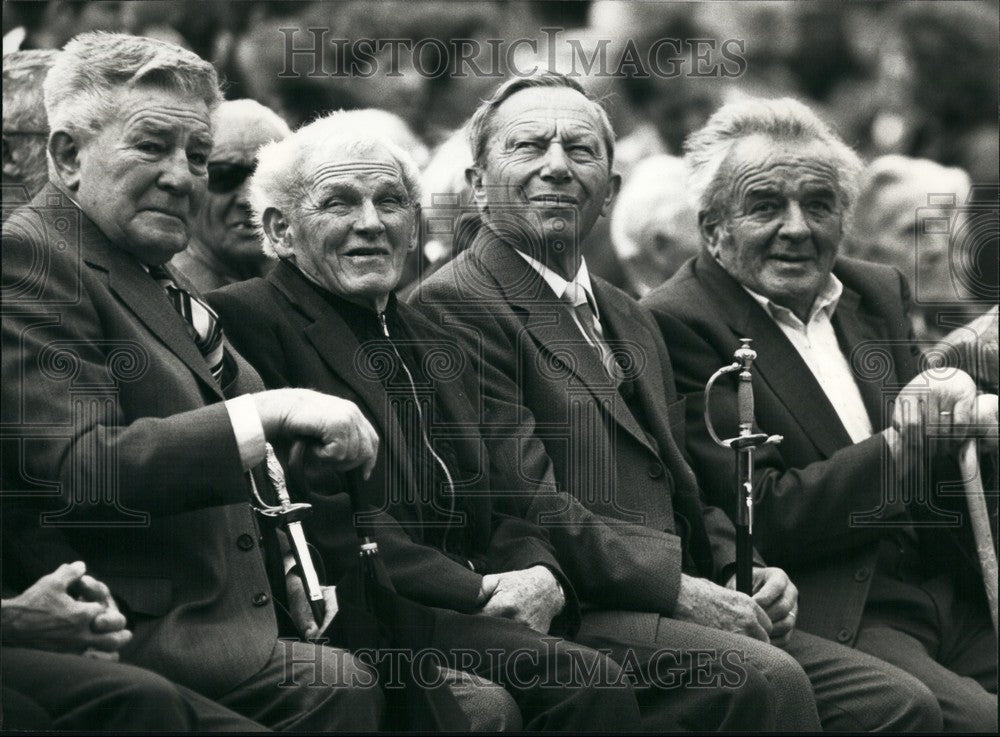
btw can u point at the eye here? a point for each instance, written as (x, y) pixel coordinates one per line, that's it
(820, 207)
(527, 145)
(764, 207)
(198, 158)
(151, 147)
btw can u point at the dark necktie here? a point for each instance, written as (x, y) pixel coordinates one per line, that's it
(202, 321)
(577, 297)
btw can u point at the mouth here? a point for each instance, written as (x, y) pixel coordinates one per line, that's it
(554, 200)
(242, 226)
(792, 258)
(368, 252)
(168, 213)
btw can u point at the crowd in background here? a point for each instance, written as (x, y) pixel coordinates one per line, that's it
(913, 81)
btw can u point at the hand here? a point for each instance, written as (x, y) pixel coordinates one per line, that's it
(985, 421)
(342, 435)
(301, 612)
(705, 603)
(775, 593)
(942, 405)
(47, 616)
(531, 596)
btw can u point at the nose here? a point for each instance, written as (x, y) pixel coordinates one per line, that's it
(555, 167)
(176, 176)
(794, 226)
(368, 223)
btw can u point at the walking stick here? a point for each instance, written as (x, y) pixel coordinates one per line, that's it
(968, 463)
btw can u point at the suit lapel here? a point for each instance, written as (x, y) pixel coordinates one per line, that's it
(549, 322)
(136, 289)
(778, 364)
(333, 340)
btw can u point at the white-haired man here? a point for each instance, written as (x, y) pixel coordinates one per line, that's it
(226, 246)
(153, 421)
(339, 208)
(576, 371)
(845, 502)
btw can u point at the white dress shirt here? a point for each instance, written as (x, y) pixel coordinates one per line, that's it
(576, 292)
(816, 342)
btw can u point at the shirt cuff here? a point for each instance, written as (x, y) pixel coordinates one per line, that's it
(248, 429)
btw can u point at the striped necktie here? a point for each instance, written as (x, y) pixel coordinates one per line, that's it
(576, 296)
(202, 321)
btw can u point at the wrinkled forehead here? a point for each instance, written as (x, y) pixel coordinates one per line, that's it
(762, 161)
(552, 110)
(161, 110)
(327, 166)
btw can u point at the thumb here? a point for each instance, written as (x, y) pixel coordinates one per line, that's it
(67, 574)
(487, 588)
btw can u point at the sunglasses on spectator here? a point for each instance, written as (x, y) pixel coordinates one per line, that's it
(225, 177)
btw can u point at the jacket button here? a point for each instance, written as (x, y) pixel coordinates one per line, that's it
(244, 542)
(844, 635)
(260, 599)
(655, 470)
(862, 574)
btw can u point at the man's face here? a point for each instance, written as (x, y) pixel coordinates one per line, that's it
(547, 168)
(224, 224)
(353, 229)
(142, 177)
(783, 225)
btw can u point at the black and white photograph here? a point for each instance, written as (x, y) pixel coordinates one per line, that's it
(454, 366)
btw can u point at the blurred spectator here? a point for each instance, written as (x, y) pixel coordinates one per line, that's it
(898, 196)
(25, 126)
(654, 229)
(226, 246)
(449, 220)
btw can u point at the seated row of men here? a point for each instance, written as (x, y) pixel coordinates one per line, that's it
(531, 462)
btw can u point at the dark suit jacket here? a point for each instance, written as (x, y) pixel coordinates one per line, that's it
(545, 387)
(436, 549)
(821, 509)
(114, 431)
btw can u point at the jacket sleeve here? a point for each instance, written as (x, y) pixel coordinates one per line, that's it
(607, 561)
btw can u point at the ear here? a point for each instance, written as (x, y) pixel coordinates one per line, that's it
(65, 155)
(614, 186)
(277, 230)
(414, 233)
(474, 178)
(711, 231)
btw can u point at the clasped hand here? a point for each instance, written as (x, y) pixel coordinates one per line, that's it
(767, 615)
(531, 596)
(66, 611)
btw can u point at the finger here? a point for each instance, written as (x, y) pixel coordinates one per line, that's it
(111, 641)
(109, 620)
(962, 418)
(90, 589)
(330, 608)
(772, 587)
(65, 574)
(372, 453)
(762, 619)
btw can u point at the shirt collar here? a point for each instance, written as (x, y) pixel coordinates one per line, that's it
(826, 303)
(560, 285)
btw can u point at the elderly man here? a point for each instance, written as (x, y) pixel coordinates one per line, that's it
(578, 372)
(25, 127)
(326, 317)
(843, 502)
(153, 424)
(226, 247)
